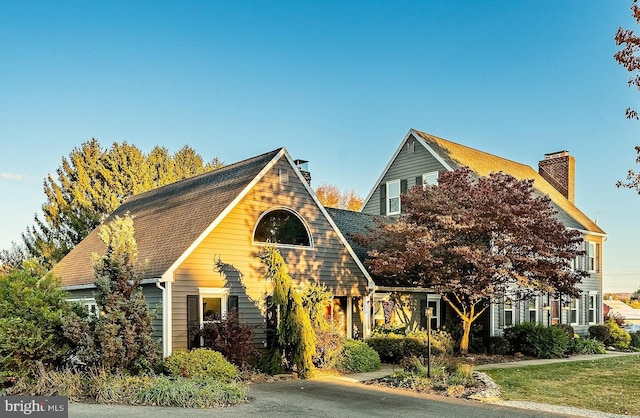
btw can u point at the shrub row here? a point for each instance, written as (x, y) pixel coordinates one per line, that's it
(392, 348)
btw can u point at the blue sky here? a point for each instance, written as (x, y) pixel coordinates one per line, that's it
(337, 83)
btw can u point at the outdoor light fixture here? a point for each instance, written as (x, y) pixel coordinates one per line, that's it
(429, 315)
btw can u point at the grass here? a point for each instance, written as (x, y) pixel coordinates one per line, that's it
(608, 384)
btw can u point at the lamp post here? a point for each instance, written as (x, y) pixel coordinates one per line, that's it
(429, 314)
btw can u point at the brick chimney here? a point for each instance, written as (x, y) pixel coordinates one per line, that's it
(303, 166)
(559, 169)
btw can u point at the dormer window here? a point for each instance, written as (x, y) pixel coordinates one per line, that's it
(282, 227)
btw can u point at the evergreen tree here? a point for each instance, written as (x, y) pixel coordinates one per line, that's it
(92, 182)
(296, 338)
(120, 337)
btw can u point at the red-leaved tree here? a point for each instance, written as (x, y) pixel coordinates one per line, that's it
(477, 240)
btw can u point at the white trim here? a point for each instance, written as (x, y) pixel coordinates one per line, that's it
(366, 322)
(349, 317)
(576, 309)
(213, 292)
(437, 298)
(595, 308)
(167, 333)
(168, 275)
(300, 218)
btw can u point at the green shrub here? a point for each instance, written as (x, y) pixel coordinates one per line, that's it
(392, 348)
(635, 339)
(191, 393)
(537, 340)
(497, 345)
(200, 363)
(357, 356)
(31, 312)
(619, 337)
(447, 375)
(588, 346)
(601, 333)
(116, 388)
(329, 342)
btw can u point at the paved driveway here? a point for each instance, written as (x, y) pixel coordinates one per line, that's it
(322, 398)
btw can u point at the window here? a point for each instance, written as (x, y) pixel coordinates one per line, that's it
(283, 176)
(89, 303)
(282, 226)
(411, 146)
(433, 303)
(573, 312)
(393, 197)
(213, 304)
(533, 310)
(508, 312)
(591, 313)
(592, 257)
(430, 179)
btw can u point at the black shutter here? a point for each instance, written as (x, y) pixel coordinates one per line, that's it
(232, 304)
(193, 321)
(383, 199)
(403, 186)
(423, 311)
(418, 180)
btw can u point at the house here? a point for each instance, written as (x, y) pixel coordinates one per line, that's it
(199, 238)
(630, 315)
(417, 161)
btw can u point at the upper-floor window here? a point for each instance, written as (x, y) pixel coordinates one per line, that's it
(430, 179)
(282, 226)
(592, 257)
(393, 197)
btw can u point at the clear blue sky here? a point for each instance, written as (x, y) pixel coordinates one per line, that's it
(337, 83)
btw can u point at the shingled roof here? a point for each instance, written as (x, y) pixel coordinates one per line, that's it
(483, 164)
(168, 220)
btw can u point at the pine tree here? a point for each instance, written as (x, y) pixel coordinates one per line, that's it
(296, 338)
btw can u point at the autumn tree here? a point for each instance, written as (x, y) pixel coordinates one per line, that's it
(92, 182)
(295, 345)
(475, 241)
(628, 57)
(332, 197)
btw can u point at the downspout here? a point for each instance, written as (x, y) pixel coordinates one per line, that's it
(166, 317)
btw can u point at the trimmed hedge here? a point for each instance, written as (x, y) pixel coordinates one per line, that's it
(537, 340)
(200, 363)
(357, 356)
(392, 348)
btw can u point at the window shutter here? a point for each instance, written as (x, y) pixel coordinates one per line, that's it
(383, 199)
(232, 304)
(193, 321)
(419, 181)
(403, 186)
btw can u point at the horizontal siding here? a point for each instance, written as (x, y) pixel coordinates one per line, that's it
(230, 242)
(153, 298)
(407, 165)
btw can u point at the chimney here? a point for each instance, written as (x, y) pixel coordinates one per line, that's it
(559, 169)
(303, 166)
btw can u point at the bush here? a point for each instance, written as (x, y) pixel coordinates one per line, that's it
(635, 339)
(392, 348)
(588, 346)
(619, 337)
(497, 345)
(329, 343)
(357, 356)
(601, 333)
(537, 340)
(231, 338)
(31, 312)
(116, 388)
(200, 363)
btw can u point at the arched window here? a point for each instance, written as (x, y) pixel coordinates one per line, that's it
(282, 226)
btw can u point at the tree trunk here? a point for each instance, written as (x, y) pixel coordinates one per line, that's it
(466, 330)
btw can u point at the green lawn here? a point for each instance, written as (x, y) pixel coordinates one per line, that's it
(608, 384)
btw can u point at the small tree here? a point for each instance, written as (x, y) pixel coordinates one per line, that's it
(332, 197)
(295, 344)
(120, 337)
(476, 241)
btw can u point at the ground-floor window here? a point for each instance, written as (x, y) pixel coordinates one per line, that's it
(533, 310)
(591, 312)
(433, 303)
(89, 303)
(508, 312)
(573, 312)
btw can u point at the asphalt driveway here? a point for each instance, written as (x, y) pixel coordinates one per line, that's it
(322, 398)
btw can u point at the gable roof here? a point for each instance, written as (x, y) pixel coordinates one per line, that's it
(620, 308)
(169, 220)
(453, 156)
